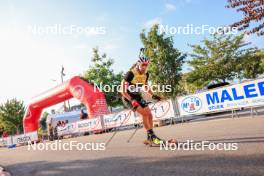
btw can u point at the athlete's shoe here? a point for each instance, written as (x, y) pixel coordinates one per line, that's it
(154, 139)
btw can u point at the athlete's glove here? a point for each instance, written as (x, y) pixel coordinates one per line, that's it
(143, 103)
(134, 104)
(156, 97)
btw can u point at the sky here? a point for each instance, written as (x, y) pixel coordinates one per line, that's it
(31, 54)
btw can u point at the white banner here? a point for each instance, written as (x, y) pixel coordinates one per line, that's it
(247, 94)
(89, 125)
(24, 138)
(7, 141)
(125, 117)
(69, 128)
(161, 110)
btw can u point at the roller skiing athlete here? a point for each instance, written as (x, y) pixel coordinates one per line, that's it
(134, 81)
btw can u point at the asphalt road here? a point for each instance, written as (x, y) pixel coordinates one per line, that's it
(122, 158)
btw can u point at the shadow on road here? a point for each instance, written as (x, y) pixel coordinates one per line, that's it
(191, 165)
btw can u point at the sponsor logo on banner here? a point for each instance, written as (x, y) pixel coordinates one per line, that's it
(89, 125)
(242, 95)
(115, 120)
(78, 91)
(161, 110)
(69, 128)
(25, 138)
(191, 104)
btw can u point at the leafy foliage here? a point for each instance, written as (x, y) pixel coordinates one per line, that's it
(253, 11)
(11, 116)
(223, 58)
(166, 61)
(100, 72)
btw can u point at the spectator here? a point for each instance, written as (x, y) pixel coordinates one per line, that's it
(83, 115)
(5, 134)
(55, 131)
(50, 132)
(63, 124)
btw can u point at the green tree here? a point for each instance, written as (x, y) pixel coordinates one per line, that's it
(166, 61)
(187, 87)
(101, 73)
(252, 64)
(2, 129)
(11, 116)
(221, 58)
(261, 53)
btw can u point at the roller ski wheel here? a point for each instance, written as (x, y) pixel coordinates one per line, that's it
(150, 143)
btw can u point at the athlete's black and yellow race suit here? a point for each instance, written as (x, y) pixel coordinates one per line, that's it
(135, 79)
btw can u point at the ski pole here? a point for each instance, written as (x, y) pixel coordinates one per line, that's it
(132, 135)
(110, 139)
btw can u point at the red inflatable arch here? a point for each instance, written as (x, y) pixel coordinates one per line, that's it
(91, 97)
